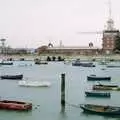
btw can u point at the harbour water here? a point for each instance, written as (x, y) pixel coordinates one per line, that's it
(46, 100)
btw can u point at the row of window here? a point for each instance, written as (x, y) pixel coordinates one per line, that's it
(109, 46)
(109, 42)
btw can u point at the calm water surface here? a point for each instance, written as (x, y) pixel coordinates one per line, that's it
(49, 98)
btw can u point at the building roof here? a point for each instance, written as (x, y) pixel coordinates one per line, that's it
(72, 47)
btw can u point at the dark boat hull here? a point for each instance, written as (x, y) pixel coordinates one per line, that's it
(3, 63)
(15, 77)
(98, 94)
(111, 86)
(40, 63)
(113, 66)
(95, 78)
(83, 64)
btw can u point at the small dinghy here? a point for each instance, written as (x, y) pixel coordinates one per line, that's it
(82, 64)
(97, 94)
(4, 62)
(15, 105)
(101, 109)
(95, 78)
(14, 77)
(34, 83)
(41, 63)
(105, 87)
(100, 86)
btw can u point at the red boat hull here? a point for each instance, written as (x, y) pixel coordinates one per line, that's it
(15, 105)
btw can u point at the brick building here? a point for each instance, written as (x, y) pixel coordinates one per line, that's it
(69, 50)
(109, 36)
(108, 44)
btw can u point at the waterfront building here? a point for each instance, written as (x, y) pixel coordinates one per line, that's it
(109, 36)
(108, 43)
(69, 50)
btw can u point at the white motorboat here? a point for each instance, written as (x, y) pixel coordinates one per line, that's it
(33, 83)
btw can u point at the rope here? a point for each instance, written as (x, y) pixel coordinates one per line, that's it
(73, 105)
(70, 104)
(36, 107)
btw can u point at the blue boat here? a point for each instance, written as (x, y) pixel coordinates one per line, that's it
(13, 77)
(95, 78)
(82, 64)
(97, 94)
(100, 109)
(41, 63)
(76, 62)
(6, 63)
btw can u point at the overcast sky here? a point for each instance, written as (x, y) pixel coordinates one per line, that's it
(32, 23)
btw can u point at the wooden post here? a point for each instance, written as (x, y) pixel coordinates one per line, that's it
(63, 92)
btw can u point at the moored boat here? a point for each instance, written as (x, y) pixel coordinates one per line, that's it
(34, 83)
(100, 109)
(87, 64)
(76, 62)
(14, 77)
(41, 62)
(95, 78)
(6, 63)
(97, 94)
(82, 64)
(15, 105)
(105, 87)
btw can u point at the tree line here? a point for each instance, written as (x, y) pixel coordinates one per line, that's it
(117, 44)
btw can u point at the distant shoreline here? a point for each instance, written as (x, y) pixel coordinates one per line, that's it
(43, 57)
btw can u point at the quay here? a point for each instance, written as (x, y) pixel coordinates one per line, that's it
(112, 57)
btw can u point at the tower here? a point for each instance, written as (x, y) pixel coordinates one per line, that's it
(109, 34)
